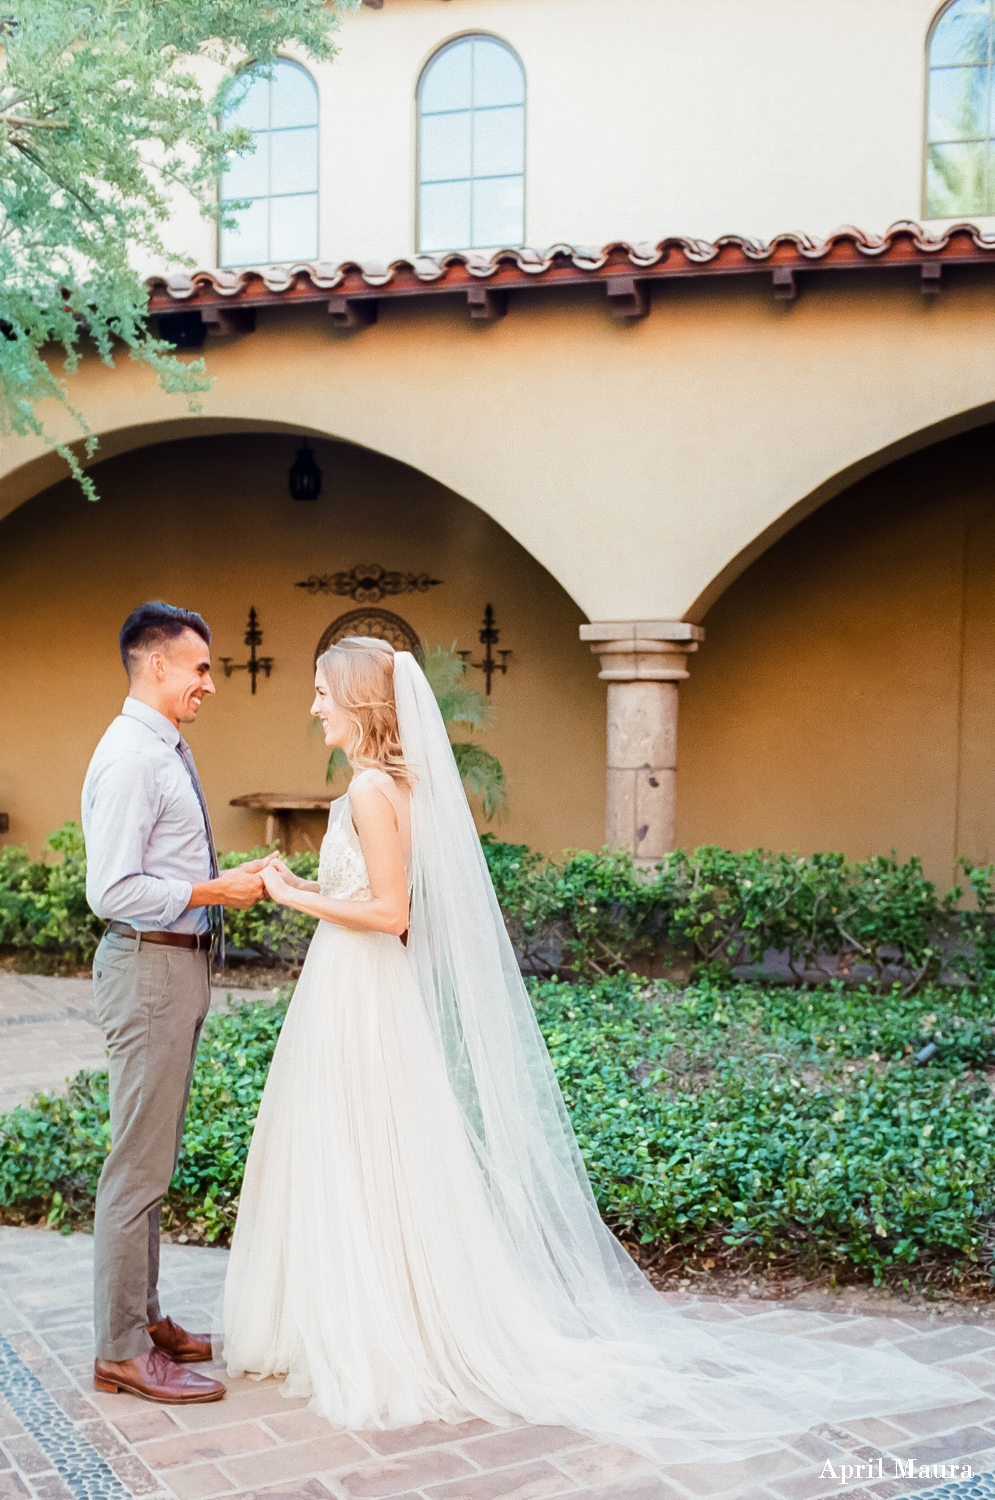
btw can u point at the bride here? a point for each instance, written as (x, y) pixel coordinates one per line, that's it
(417, 1238)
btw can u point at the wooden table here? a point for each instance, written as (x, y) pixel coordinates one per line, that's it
(279, 808)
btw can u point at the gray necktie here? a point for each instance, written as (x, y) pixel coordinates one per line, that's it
(216, 914)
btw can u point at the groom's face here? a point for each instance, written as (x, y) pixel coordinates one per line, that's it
(183, 672)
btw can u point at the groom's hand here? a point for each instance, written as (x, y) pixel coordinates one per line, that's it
(240, 888)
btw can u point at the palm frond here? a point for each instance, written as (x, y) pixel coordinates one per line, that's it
(459, 703)
(465, 705)
(483, 776)
(443, 668)
(337, 761)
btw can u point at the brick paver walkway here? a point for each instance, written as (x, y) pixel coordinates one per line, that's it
(60, 1439)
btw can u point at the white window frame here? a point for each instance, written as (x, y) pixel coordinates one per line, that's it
(989, 208)
(219, 238)
(447, 46)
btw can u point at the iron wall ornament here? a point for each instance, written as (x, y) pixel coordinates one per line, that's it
(488, 638)
(376, 622)
(368, 583)
(255, 664)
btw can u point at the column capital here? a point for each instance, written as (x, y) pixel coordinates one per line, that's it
(643, 650)
(647, 630)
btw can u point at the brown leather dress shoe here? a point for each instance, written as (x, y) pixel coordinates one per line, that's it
(155, 1377)
(185, 1348)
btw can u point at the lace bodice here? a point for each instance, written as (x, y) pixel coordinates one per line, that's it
(341, 867)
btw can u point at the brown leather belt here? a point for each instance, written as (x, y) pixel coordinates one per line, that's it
(200, 942)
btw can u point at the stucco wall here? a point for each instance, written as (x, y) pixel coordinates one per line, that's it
(210, 524)
(845, 697)
(640, 465)
(644, 118)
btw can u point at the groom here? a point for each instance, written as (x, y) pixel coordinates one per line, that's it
(152, 872)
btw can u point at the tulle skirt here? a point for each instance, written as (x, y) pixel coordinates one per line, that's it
(367, 1268)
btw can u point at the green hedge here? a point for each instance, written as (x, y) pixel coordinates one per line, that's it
(825, 913)
(595, 914)
(765, 1122)
(783, 1123)
(42, 902)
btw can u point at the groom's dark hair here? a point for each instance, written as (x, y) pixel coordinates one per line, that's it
(152, 625)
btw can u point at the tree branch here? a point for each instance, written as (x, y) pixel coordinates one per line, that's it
(23, 123)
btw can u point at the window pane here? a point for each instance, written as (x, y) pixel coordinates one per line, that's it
(253, 112)
(498, 141)
(294, 154)
(294, 228)
(446, 85)
(498, 212)
(961, 34)
(247, 245)
(445, 146)
(248, 176)
(497, 75)
(445, 216)
(958, 103)
(955, 181)
(295, 98)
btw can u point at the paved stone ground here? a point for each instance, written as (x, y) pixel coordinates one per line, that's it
(60, 1439)
(48, 1032)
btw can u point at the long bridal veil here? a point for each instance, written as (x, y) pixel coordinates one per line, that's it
(642, 1371)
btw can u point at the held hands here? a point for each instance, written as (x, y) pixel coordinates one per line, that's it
(241, 887)
(270, 876)
(278, 879)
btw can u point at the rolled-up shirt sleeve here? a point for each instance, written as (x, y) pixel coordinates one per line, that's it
(119, 814)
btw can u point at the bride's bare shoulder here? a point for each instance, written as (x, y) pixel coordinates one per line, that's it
(372, 782)
(372, 776)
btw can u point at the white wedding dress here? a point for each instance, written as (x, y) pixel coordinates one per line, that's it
(416, 1238)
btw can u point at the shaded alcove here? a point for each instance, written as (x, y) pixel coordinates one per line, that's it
(845, 696)
(209, 523)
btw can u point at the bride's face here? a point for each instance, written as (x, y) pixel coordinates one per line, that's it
(338, 729)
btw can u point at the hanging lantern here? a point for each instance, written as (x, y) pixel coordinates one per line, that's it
(305, 476)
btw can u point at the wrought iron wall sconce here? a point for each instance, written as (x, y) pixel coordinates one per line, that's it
(255, 664)
(304, 476)
(488, 639)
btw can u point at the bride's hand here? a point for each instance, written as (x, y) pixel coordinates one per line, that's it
(284, 871)
(274, 879)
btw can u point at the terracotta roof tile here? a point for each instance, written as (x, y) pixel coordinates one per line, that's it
(904, 243)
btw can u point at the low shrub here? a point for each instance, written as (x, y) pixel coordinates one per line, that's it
(783, 1124)
(595, 914)
(774, 1123)
(43, 903)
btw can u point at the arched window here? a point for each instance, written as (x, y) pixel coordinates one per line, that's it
(960, 151)
(280, 178)
(471, 147)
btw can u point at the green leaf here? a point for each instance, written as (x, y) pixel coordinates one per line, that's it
(84, 91)
(483, 777)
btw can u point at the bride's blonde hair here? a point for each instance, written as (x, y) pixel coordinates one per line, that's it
(359, 674)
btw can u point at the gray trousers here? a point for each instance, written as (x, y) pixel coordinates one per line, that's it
(151, 1001)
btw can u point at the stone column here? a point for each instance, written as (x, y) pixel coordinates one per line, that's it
(642, 662)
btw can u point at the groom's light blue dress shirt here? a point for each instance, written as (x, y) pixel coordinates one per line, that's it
(146, 842)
